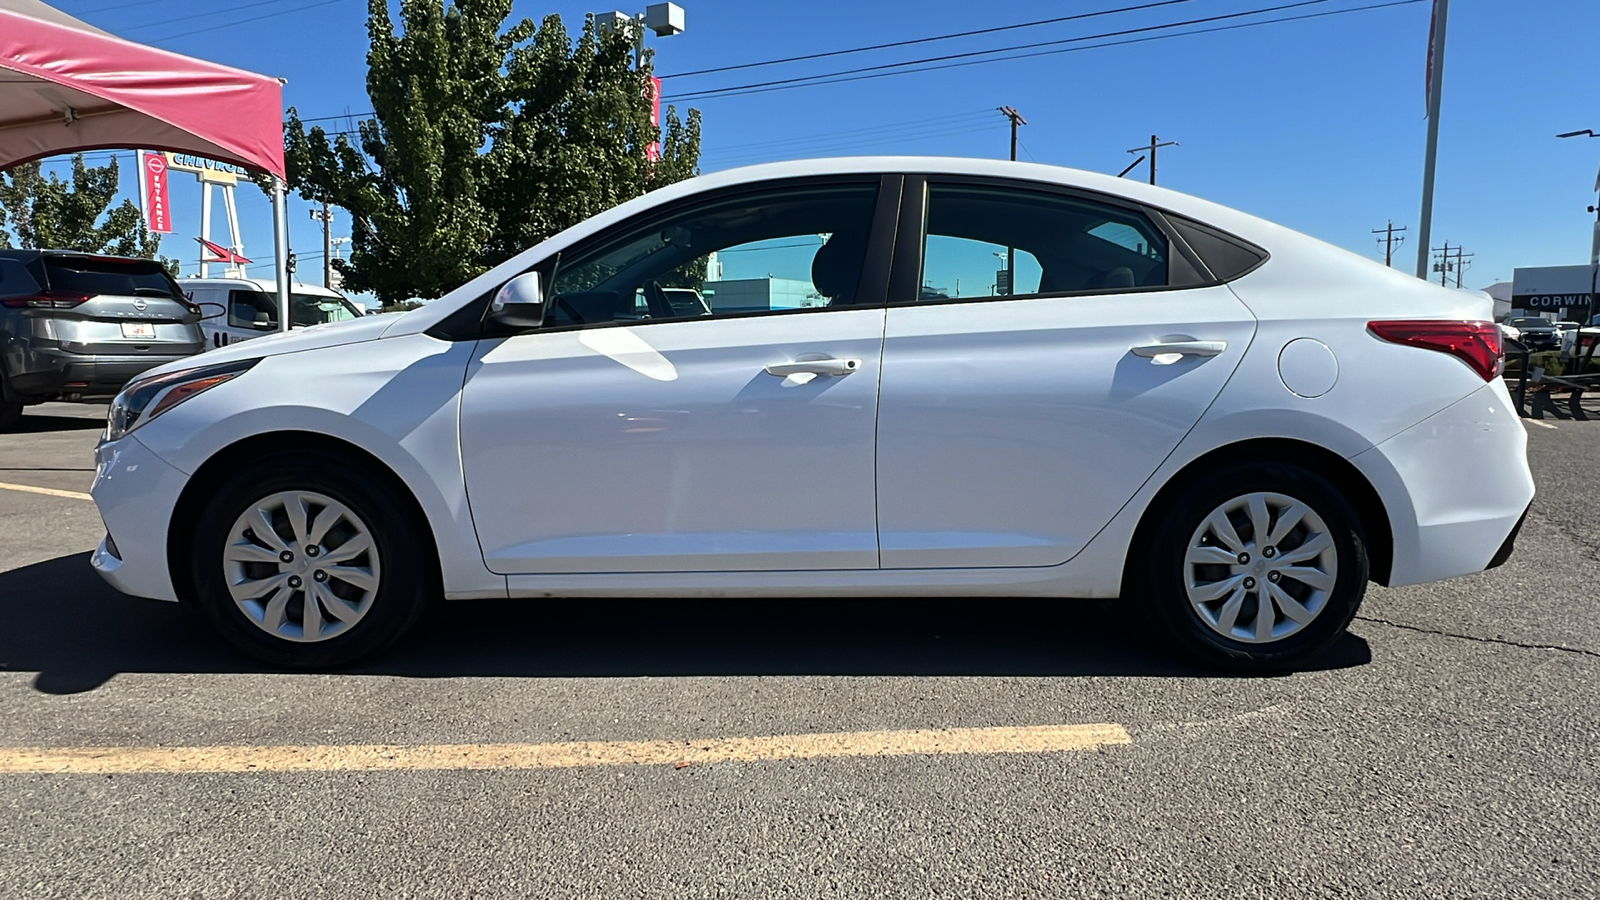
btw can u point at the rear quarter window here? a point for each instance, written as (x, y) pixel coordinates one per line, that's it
(16, 280)
(1227, 257)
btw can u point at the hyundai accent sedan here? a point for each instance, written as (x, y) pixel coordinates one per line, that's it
(904, 377)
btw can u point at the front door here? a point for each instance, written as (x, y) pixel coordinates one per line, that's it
(1057, 351)
(701, 397)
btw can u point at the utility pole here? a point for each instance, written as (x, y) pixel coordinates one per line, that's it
(1441, 14)
(1016, 119)
(1390, 240)
(1451, 259)
(1150, 148)
(326, 218)
(1594, 255)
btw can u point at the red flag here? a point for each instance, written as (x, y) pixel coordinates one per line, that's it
(157, 207)
(223, 254)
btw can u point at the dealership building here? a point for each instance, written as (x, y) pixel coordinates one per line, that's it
(1562, 293)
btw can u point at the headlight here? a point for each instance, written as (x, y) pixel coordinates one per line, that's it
(145, 398)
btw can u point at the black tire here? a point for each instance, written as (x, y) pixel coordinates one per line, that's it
(1158, 579)
(10, 414)
(406, 554)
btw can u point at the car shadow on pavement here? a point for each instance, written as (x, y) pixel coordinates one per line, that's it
(41, 423)
(77, 633)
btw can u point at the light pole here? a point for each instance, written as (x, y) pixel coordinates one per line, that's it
(1594, 252)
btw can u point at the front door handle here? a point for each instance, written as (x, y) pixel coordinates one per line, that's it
(1180, 348)
(815, 367)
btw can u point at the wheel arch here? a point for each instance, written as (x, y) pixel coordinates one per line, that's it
(1339, 471)
(215, 471)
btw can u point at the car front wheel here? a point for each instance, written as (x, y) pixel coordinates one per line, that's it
(1258, 567)
(309, 570)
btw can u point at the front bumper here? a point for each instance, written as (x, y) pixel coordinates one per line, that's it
(136, 492)
(1456, 486)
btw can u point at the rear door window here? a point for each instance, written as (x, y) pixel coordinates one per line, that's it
(97, 276)
(986, 241)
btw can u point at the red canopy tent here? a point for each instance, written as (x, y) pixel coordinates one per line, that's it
(67, 86)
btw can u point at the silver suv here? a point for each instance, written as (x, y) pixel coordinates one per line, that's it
(77, 326)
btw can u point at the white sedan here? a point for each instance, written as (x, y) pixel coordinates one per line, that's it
(908, 377)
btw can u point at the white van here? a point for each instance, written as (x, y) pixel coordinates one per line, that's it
(238, 309)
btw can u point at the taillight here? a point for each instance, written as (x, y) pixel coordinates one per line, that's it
(1477, 344)
(45, 300)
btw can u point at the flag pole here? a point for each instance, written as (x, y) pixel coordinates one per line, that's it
(1441, 13)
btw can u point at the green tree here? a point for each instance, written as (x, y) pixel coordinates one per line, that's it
(484, 141)
(49, 213)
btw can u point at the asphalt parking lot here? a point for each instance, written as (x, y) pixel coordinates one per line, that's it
(1445, 748)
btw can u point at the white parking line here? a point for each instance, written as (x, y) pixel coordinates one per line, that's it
(1540, 422)
(48, 492)
(565, 755)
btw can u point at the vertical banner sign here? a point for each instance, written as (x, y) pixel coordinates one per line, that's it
(158, 209)
(653, 152)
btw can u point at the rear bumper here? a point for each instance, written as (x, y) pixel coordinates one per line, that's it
(47, 373)
(1456, 486)
(136, 491)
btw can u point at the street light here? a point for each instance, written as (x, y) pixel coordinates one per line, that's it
(1594, 255)
(665, 19)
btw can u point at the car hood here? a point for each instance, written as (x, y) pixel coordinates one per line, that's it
(315, 337)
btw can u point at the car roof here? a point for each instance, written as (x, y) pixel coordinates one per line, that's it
(1242, 224)
(262, 284)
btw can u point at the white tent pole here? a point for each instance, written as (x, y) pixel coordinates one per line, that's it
(205, 227)
(280, 233)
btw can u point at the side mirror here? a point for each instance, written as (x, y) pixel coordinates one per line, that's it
(520, 302)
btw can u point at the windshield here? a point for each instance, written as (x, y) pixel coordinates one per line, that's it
(259, 310)
(310, 310)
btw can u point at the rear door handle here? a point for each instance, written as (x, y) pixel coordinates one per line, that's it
(815, 367)
(1181, 348)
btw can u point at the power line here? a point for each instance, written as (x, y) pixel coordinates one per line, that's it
(272, 15)
(1036, 44)
(898, 68)
(923, 40)
(924, 65)
(231, 9)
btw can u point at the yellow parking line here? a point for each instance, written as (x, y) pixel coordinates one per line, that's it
(48, 492)
(569, 755)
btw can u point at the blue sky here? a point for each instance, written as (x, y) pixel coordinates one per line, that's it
(1315, 124)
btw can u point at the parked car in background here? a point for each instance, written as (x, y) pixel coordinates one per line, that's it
(1538, 333)
(1225, 422)
(77, 326)
(238, 309)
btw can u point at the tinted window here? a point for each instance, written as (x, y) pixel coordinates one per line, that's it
(979, 239)
(1226, 256)
(109, 276)
(773, 252)
(259, 310)
(15, 279)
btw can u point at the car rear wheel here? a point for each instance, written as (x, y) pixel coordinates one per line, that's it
(307, 570)
(1257, 567)
(10, 414)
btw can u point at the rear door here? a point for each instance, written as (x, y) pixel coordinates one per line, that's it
(1043, 354)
